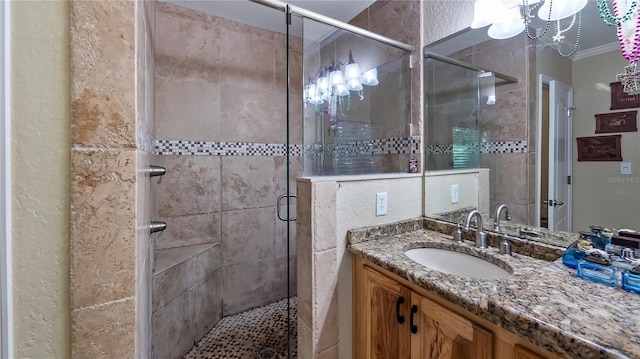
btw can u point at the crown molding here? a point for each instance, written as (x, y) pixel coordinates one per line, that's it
(596, 51)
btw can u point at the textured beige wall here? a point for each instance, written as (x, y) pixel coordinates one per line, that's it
(40, 178)
(327, 208)
(550, 63)
(356, 208)
(473, 190)
(445, 17)
(601, 195)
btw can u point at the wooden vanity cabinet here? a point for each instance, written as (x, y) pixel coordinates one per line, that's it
(394, 319)
(387, 336)
(441, 333)
(523, 353)
(401, 324)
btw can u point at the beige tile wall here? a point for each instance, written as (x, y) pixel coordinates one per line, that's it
(112, 137)
(399, 20)
(510, 123)
(111, 130)
(210, 88)
(145, 193)
(386, 109)
(327, 208)
(508, 120)
(187, 300)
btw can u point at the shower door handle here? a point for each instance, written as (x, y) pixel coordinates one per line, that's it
(280, 198)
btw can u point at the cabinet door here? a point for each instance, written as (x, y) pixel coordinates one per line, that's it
(386, 318)
(439, 333)
(523, 353)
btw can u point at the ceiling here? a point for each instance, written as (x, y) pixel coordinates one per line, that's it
(595, 35)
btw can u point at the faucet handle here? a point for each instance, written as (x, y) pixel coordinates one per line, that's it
(505, 245)
(481, 240)
(457, 234)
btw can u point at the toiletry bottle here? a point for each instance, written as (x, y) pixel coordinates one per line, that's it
(413, 165)
(598, 239)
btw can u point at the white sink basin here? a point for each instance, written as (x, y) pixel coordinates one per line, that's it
(456, 263)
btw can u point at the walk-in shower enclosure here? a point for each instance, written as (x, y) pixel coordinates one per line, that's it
(234, 121)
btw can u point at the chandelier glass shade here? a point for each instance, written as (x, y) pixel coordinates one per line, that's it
(336, 78)
(485, 12)
(370, 78)
(330, 81)
(508, 18)
(508, 25)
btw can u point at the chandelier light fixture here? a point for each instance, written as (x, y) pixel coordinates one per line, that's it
(330, 82)
(626, 19)
(508, 18)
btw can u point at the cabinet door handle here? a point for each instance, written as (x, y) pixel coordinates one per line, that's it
(413, 328)
(399, 317)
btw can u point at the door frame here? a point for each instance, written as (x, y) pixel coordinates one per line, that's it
(6, 327)
(545, 80)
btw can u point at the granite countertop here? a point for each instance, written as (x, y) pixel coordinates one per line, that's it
(541, 301)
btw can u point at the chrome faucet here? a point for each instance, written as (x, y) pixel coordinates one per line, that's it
(481, 237)
(502, 207)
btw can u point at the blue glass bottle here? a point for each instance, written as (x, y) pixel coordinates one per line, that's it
(631, 282)
(572, 255)
(598, 273)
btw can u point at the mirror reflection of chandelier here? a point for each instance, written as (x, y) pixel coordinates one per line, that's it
(509, 18)
(331, 82)
(626, 18)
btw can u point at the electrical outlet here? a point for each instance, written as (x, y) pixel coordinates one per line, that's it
(454, 194)
(625, 168)
(381, 204)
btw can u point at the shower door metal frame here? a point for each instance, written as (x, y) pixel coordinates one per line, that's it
(295, 10)
(431, 55)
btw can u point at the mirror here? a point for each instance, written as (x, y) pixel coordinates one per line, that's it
(490, 140)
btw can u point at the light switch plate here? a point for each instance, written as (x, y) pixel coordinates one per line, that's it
(625, 168)
(381, 204)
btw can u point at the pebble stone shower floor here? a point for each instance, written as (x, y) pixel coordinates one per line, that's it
(259, 333)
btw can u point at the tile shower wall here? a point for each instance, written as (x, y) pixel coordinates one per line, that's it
(368, 133)
(508, 126)
(399, 20)
(383, 112)
(112, 143)
(514, 111)
(145, 192)
(221, 90)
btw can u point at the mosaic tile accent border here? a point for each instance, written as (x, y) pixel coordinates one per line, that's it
(210, 148)
(488, 147)
(393, 145)
(381, 146)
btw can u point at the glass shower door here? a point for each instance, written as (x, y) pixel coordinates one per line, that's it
(356, 101)
(460, 113)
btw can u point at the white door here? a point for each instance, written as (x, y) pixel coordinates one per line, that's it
(559, 196)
